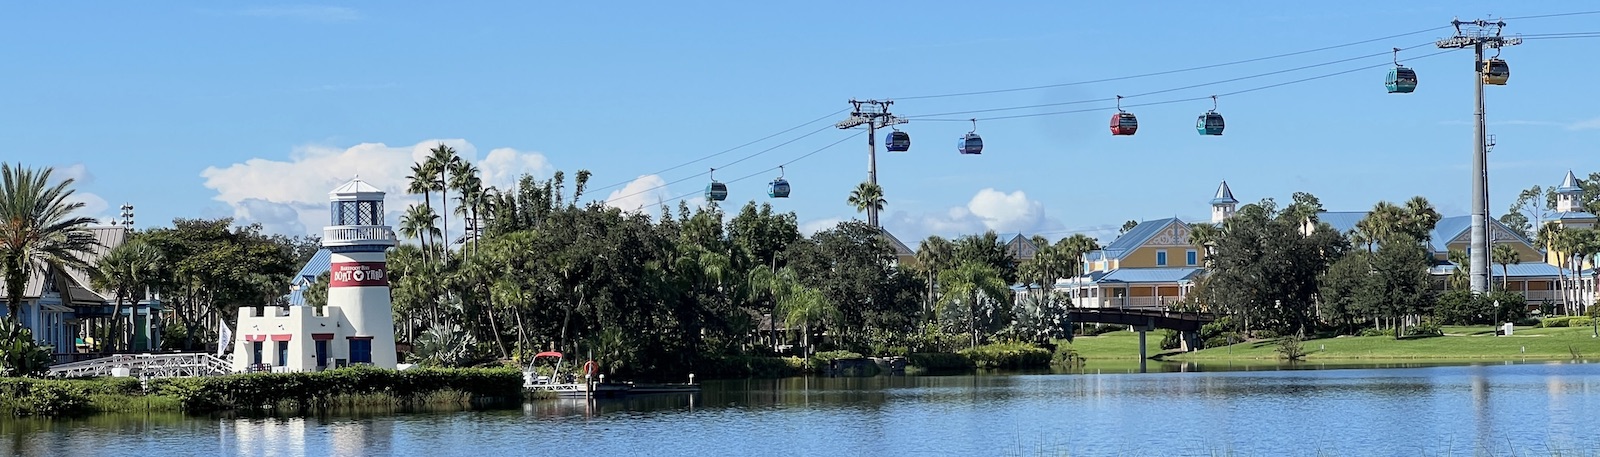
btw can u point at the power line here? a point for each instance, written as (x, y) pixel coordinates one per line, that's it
(769, 170)
(1577, 13)
(1168, 72)
(735, 148)
(736, 162)
(1175, 89)
(1183, 100)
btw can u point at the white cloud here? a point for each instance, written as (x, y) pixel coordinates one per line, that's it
(504, 166)
(1589, 124)
(989, 209)
(93, 205)
(645, 194)
(291, 196)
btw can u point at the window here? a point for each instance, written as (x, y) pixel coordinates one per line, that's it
(1161, 258)
(366, 213)
(361, 351)
(322, 353)
(255, 352)
(283, 353)
(1192, 257)
(347, 213)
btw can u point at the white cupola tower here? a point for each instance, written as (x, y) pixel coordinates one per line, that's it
(1222, 205)
(1567, 195)
(359, 280)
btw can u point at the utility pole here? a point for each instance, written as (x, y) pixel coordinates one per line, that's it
(875, 115)
(1478, 35)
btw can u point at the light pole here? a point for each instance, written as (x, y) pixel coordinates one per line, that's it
(1480, 34)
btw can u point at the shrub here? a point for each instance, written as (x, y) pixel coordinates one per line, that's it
(1169, 339)
(1424, 329)
(1567, 321)
(1374, 331)
(1223, 339)
(1008, 355)
(1289, 348)
(1104, 329)
(43, 397)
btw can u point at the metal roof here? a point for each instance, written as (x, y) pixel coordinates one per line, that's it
(1343, 221)
(1515, 270)
(1021, 248)
(1571, 215)
(106, 238)
(900, 249)
(1150, 275)
(319, 264)
(1125, 244)
(1224, 195)
(1569, 185)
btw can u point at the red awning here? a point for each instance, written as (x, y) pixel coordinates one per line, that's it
(321, 336)
(255, 338)
(282, 337)
(548, 354)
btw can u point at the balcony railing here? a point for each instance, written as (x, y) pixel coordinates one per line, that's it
(344, 235)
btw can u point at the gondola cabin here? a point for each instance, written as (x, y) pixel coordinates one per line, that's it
(1496, 72)
(716, 191)
(1209, 123)
(898, 141)
(778, 189)
(970, 143)
(1401, 80)
(1124, 123)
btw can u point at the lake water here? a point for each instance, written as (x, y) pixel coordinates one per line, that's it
(1493, 409)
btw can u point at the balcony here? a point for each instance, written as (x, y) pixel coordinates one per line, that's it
(351, 235)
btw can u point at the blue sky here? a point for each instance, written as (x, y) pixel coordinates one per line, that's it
(207, 109)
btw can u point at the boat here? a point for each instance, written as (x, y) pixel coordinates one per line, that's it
(592, 384)
(566, 384)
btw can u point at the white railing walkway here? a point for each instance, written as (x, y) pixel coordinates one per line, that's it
(175, 365)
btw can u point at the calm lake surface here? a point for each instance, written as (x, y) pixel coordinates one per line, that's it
(1491, 409)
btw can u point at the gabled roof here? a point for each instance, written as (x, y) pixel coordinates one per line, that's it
(1136, 237)
(1021, 248)
(1449, 228)
(320, 263)
(1224, 195)
(1572, 216)
(900, 249)
(1343, 221)
(1569, 185)
(1150, 275)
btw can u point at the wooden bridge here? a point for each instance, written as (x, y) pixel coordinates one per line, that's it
(1143, 320)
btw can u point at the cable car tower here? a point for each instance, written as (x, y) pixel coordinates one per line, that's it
(875, 115)
(1478, 35)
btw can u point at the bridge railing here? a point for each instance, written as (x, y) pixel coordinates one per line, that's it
(183, 364)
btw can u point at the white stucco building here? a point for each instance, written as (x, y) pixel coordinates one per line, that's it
(356, 326)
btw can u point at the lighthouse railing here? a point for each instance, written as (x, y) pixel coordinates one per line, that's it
(357, 234)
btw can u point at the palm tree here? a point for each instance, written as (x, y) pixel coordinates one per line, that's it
(443, 160)
(1074, 247)
(1382, 224)
(932, 255)
(420, 181)
(1420, 218)
(419, 222)
(868, 197)
(469, 188)
(37, 229)
(971, 286)
(803, 305)
(1505, 255)
(127, 272)
(1458, 277)
(1204, 237)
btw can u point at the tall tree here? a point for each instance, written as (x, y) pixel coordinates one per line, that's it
(443, 160)
(37, 229)
(868, 197)
(933, 255)
(1073, 248)
(128, 272)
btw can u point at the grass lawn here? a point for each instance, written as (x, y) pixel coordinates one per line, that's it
(1459, 343)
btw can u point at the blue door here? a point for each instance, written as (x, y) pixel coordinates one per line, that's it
(322, 353)
(255, 353)
(361, 351)
(283, 353)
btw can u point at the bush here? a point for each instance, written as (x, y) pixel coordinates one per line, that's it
(43, 397)
(1008, 355)
(322, 389)
(1169, 339)
(1222, 339)
(1104, 329)
(1374, 331)
(1567, 321)
(1289, 348)
(1424, 329)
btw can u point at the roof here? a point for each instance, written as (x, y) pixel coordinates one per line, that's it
(900, 249)
(319, 264)
(1343, 221)
(106, 238)
(1136, 237)
(1224, 195)
(1515, 270)
(1569, 185)
(1571, 215)
(1021, 248)
(1150, 275)
(355, 186)
(1450, 228)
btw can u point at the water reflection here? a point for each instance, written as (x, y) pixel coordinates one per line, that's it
(1485, 409)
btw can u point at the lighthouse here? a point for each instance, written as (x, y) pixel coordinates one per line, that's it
(357, 325)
